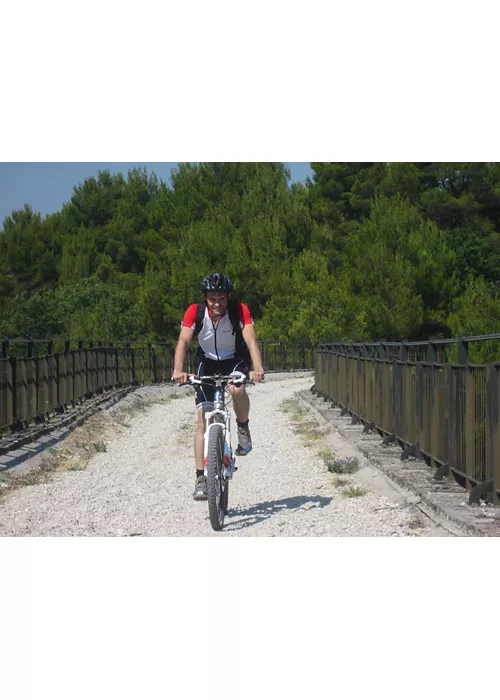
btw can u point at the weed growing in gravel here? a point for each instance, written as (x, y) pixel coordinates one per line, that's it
(302, 422)
(77, 465)
(310, 433)
(327, 455)
(289, 405)
(354, 491)
(342, 465)
(99, 446)
(298, 415)
(339, 465)
(40, 475)
(415, 523)
(293, 407)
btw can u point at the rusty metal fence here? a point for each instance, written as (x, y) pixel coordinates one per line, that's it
(445, 413)
(42, 377)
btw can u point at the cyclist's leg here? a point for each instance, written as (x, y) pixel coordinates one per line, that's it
(241, 404)
(198, 439)
(204, 399)
(204, 396)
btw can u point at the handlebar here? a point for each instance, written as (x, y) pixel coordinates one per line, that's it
(235, 378)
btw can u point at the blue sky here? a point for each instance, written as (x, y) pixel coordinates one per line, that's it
(47, 186)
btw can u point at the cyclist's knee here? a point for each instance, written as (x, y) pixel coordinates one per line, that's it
(201, 418)
(237, 391)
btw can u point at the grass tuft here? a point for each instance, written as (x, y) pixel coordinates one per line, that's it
(342, 465)
(289, 405)
(354, 491)
(99, 446)
(415, 523)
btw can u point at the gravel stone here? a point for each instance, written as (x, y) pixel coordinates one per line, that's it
(142, 485)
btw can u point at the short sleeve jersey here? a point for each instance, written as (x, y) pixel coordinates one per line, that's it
(217, 340)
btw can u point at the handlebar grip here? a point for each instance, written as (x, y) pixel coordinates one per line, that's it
(172, 381)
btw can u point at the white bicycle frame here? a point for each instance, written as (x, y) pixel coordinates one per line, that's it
(220, 416)
(213, 419)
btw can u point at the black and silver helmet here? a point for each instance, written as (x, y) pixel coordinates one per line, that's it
(216, 283)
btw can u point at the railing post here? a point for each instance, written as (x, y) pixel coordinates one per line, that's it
(449, 420)
(80, 384)
(431, 351)
(89, 355)
(493, 428)
(419, 408)
(303, 355)
(13, 392)
(283, 355)
(152, 363)
(132, 359)
(397, 398)
(463, 350)
(470, 427)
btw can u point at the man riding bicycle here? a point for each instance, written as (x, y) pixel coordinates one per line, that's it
(227, 340)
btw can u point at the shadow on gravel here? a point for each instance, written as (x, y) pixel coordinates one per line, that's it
(262, 511)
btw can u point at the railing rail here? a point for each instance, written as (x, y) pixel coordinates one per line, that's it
(445, 413)
(40, 377)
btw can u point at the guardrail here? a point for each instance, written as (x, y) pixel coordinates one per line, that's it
(445, 413)
(45, 376)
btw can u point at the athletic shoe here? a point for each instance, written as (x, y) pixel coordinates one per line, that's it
(244, 441)
(200, 489)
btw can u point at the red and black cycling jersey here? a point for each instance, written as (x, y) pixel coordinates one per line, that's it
(217, 339)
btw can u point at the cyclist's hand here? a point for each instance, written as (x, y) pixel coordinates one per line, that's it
(180, 377)
(256, 376)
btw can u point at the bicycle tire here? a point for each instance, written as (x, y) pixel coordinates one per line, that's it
(216, 483)
(225, 497)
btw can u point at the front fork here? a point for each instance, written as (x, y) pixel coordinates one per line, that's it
(229, 454)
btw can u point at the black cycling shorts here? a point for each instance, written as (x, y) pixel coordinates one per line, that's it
(204, 394)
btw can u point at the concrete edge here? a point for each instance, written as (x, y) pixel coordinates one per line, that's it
(441, 515)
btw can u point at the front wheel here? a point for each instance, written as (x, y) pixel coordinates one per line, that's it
(216, 482)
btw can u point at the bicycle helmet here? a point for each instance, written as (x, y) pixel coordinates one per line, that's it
(216, 283)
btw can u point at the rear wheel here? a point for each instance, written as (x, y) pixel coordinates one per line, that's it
(216, 483)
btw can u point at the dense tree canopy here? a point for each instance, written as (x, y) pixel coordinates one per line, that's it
(361, 251)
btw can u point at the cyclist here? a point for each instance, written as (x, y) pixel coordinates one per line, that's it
(227, 342)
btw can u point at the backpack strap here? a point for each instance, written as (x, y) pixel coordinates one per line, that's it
(241, 347)
(200, 315)
(234, 316)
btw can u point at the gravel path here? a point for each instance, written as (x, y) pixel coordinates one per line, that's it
(142, 484)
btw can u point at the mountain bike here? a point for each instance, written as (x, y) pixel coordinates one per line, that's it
(219, 457)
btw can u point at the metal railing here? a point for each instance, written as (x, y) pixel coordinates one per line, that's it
(45, 376)
(445, 413)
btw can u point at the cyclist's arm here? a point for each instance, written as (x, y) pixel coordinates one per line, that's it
(185, 337)
(250, 339)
